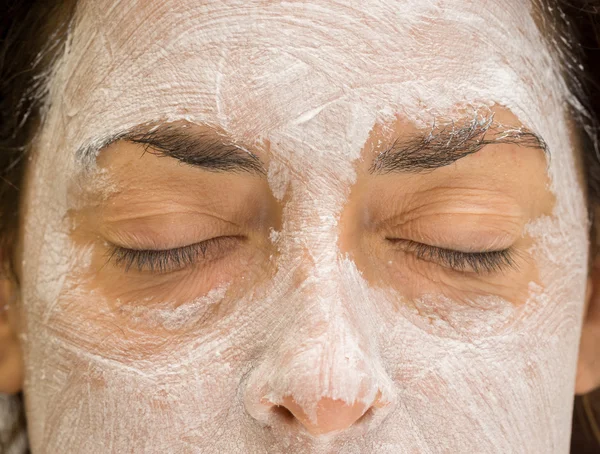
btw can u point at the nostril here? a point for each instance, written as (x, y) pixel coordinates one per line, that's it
(283, 413)
(368, 415)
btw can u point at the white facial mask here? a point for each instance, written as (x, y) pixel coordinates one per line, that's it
(312, 78)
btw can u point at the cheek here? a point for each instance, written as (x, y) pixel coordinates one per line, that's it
(150, 404)
(497, 371)
(151, 383)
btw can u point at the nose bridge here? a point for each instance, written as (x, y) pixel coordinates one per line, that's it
(323, 367)
(329, 356)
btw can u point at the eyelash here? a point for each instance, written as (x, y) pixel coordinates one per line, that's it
(168, 260)
(486, 262)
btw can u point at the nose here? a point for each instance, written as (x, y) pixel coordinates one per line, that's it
(320, 373)
(320, 387)
(331, 415)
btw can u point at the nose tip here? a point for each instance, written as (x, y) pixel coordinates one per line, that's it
(331, 415)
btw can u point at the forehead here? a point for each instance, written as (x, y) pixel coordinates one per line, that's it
(307, 71)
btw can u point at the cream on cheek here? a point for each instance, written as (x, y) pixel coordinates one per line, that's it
(313, 80)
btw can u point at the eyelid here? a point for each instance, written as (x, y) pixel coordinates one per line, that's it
(456, 229)
(481, 262)
(171, 260)
(147, 231)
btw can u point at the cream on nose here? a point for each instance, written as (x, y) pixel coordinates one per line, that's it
(331, 415)
(322, 374)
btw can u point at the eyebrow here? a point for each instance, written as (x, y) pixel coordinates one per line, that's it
(199, 146)
(444, 145)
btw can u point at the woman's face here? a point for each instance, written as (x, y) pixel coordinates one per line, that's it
(257, 226)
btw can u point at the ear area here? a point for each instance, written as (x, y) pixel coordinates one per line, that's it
(11, 363)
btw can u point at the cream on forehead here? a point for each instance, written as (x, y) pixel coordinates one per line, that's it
(313, 78)
(258, 68)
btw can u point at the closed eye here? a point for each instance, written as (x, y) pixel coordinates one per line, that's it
(483, 262)
(170, 260)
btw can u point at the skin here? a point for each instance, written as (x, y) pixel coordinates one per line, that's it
(311, 324)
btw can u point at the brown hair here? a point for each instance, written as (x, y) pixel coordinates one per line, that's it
(32, 36)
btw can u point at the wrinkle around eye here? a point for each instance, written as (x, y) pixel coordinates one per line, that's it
(459, 232)
(156, 212)
(414, 277)
(165, 231)
(142, 287)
